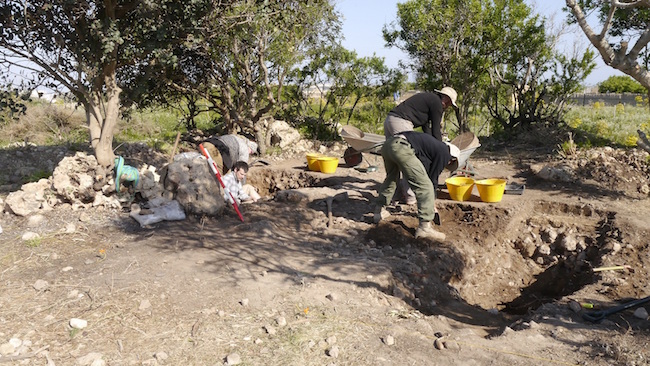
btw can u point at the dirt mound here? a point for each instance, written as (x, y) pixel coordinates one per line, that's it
(623, 171)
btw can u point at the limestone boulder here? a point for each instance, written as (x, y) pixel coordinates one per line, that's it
(192, 183)
(282, 135)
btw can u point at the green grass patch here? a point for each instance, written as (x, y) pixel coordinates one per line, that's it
(600, 125)
(34, 243)
(157, 127)
(36, 176)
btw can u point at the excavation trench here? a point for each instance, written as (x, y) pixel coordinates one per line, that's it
(495, 257)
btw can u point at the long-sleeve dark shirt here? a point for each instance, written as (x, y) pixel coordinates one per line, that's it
(433, 153)
(424, 110)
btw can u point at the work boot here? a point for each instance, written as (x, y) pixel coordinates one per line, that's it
(380, 213)
(426, 231)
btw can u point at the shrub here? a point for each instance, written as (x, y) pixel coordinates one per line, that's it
(621, 84)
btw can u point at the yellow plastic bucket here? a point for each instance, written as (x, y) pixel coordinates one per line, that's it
(491, 190)
(312, 161)
(328, 164)
(460, 188)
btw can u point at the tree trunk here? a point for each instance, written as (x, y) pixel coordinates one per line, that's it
(102, 120)
(643, 141)
(613, 56)
(260, 137)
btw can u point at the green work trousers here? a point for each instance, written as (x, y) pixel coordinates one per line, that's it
(399, 157)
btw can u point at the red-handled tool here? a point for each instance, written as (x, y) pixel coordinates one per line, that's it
(213, 165)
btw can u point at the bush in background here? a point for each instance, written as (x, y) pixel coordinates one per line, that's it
(621, 84)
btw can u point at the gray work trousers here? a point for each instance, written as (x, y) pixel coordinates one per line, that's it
(394, 125)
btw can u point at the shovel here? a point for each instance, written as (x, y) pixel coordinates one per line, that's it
(597, 316)
(336, 198)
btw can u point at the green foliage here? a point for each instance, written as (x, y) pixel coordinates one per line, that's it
(568, 148)
(11, 107)
(34, 242)
(534, 82)
(624, 21)
(317, 129)
(620, 84)
(156, 127)
(336, 85)
(46, 124)
(445, 40)
(605, 126)
(178, 73)
(234, 64)
(622, 39)
(370, 116)
(85, 46)
(494, 53)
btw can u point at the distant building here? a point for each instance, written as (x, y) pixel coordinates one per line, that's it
(43, 95)
(610, 99)
(316, 91)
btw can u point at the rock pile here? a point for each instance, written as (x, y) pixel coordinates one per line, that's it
(77, 181)
(624, 171)
(80, 182)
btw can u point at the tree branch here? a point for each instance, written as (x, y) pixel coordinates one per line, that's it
(643, 141)
(630, 4)
(640, 44)
(608, 22)
(600, 43)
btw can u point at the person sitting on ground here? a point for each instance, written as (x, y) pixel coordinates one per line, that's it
(235, 184)
(226, 150)
(421, 158)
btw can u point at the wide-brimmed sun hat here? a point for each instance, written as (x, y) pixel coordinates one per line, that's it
(451, 93)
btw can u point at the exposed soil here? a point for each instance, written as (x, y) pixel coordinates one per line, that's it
(283, 288)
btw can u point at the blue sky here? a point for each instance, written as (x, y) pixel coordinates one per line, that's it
(364, 19)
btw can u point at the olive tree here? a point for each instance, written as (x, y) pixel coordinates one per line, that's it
(444, 40)
(489, 51)
(341, 82)
(80, 46)
(624, 34)
(236, 62)
(532, 82)
(11, 105)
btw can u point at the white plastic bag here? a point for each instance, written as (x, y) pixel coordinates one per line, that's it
(190, 155)
(170, 211)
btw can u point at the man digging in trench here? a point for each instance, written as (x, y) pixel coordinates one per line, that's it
(421, 158)
(423, 110)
